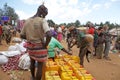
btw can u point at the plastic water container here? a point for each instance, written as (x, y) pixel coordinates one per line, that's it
(68, 76)
(76, 58)
(50, 66)
(52, 75)
(66, 68)
(87, 77)
(79, 74)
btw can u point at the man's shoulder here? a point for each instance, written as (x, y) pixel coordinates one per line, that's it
(39, 19)
(35, 18)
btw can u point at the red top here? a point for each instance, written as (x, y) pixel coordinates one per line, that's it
(0, 30)
(91, 31)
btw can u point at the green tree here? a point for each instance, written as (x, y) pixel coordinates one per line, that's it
(97, 24)
(77, 23)
(51, 23)
(107, 23)
(10, 12)
(101, 24)
(1, 13)
(111, 26)
(63, 24)
(70, 24)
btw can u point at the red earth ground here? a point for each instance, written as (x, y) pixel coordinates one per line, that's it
(101, 69)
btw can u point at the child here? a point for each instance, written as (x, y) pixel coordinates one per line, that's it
(54, 43)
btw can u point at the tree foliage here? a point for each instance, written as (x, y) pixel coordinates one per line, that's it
(10, 12)
(51, 23)
(1, 12)
(78, 24)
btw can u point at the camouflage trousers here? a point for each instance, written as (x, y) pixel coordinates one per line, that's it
(99, 51)
(107, 49)
(82, 53)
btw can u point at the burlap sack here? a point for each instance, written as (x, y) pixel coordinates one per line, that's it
(89, 38)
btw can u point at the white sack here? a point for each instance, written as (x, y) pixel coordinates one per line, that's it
(10, 53)
(3, 59)
(12, 48)
(20, 47)
(24, 62)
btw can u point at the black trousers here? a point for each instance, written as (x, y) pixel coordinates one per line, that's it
(39, 71)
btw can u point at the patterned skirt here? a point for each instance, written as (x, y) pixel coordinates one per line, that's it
(37, 52)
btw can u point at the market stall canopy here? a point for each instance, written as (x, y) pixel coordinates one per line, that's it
(5, 18)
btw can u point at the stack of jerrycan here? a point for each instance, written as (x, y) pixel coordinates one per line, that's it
(81, 73)
(51, 66)
(52, 75)
(66, 73)
(66, 67)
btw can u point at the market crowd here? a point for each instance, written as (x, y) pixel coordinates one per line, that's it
(41, 40)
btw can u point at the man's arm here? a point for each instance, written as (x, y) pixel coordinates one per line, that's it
(48, 38)
(66, 51)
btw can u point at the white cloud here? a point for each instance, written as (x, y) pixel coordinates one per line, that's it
(96, 6)
(84, 4)
(66, 11)
(115, 0)
(32, 2)
(23, 15)
(73, 2)
(107, 5)
(61, 2)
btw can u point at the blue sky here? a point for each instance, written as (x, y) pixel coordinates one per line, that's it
(65, 11)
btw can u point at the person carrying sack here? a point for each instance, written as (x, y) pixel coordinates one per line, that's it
(85, 44)
(34, 31)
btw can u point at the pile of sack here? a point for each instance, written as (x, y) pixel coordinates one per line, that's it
(15, 57)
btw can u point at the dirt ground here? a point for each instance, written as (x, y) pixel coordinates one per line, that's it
(101, 69)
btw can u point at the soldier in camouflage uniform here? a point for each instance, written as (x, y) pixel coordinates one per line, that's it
(107, 42)
(100, 42)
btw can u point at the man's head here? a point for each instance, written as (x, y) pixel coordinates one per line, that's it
(42, 11)
(90, 25)
(105, 27)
